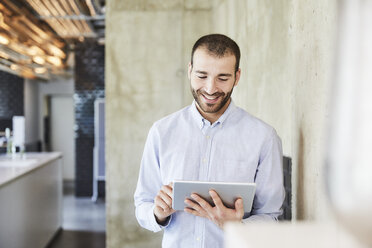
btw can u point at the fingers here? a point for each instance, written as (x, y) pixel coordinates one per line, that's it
(194, 206)
(167, 189)
(165, 197)
(218, 214)
(165, 194)
(161, 203)
(195, 209)
(216, 199)
(203, 203)
(194, 212)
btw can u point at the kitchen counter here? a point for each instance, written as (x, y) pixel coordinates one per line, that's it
(11, 169)
(30, 199)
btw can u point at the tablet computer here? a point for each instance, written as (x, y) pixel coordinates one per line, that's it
(228, 192)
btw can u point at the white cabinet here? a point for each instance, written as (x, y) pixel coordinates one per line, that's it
(31, 203)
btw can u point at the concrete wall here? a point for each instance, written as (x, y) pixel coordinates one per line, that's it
(287, 51)
(314, 48)
(147, 46)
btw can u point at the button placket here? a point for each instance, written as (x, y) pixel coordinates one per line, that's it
(206, 153)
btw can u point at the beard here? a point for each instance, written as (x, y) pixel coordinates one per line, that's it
(211, 108)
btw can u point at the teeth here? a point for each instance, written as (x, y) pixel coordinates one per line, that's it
(210, 98)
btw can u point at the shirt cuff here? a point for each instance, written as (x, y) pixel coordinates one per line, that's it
(156, 226)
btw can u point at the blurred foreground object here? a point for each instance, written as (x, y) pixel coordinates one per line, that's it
(349, 161)
(288, 235)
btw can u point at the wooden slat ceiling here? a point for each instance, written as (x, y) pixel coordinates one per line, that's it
(36, 35)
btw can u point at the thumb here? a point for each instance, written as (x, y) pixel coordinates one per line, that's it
(239, 207)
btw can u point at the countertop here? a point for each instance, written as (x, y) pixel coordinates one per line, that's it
(13, 168)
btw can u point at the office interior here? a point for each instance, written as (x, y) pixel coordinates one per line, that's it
(304, 71)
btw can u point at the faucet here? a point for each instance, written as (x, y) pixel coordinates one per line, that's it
(9, 147)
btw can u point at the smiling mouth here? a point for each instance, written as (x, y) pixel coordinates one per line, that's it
(210, 99)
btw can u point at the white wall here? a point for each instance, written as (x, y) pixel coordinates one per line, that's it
(62, 134)
(34, 105)
(64, 86)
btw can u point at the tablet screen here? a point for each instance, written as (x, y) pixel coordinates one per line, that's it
(228, 192)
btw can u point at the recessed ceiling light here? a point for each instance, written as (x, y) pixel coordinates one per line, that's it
(40, 70)
(54, 60)
(4, 40)
(39, 60)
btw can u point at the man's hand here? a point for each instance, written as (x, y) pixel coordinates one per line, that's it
(163, 204)
(219, 214)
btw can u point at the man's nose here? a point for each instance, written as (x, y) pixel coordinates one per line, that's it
(210, 86)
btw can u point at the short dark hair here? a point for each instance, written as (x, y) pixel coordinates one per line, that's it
(218, 45)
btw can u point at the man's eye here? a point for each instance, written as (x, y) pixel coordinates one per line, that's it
(202, 77)
(222, 79)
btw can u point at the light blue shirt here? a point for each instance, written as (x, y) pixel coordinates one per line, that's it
(185, 146)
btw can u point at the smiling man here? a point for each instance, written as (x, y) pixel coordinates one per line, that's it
(210, 140)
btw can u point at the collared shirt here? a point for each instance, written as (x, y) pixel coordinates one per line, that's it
(185, 146)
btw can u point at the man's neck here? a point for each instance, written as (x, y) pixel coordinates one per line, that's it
(213, 117)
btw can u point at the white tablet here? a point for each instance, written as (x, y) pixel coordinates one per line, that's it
(228, 192)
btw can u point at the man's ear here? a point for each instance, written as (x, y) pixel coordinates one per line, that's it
(189, 71)
(237, 77)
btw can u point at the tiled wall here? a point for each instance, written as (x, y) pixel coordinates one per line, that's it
(11, 95)
(11, 99)
(89, 85)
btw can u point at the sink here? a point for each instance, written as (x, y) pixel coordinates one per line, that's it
(17, 162)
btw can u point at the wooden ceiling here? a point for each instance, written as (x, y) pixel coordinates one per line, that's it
(36, 36)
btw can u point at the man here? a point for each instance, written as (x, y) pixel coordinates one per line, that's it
(210, 140)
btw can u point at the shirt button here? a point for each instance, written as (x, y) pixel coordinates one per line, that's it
(207, 137)
(204, 160)
(197, 239)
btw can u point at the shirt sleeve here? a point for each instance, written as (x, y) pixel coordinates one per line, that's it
(149, 183)
(270, 191)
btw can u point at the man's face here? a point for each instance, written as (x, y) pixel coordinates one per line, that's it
(212, 81)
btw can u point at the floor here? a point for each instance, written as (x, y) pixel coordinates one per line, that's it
(79, 239)
(84, 222)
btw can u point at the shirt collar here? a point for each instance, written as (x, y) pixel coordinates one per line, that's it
(226, 114)
(200, 120)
